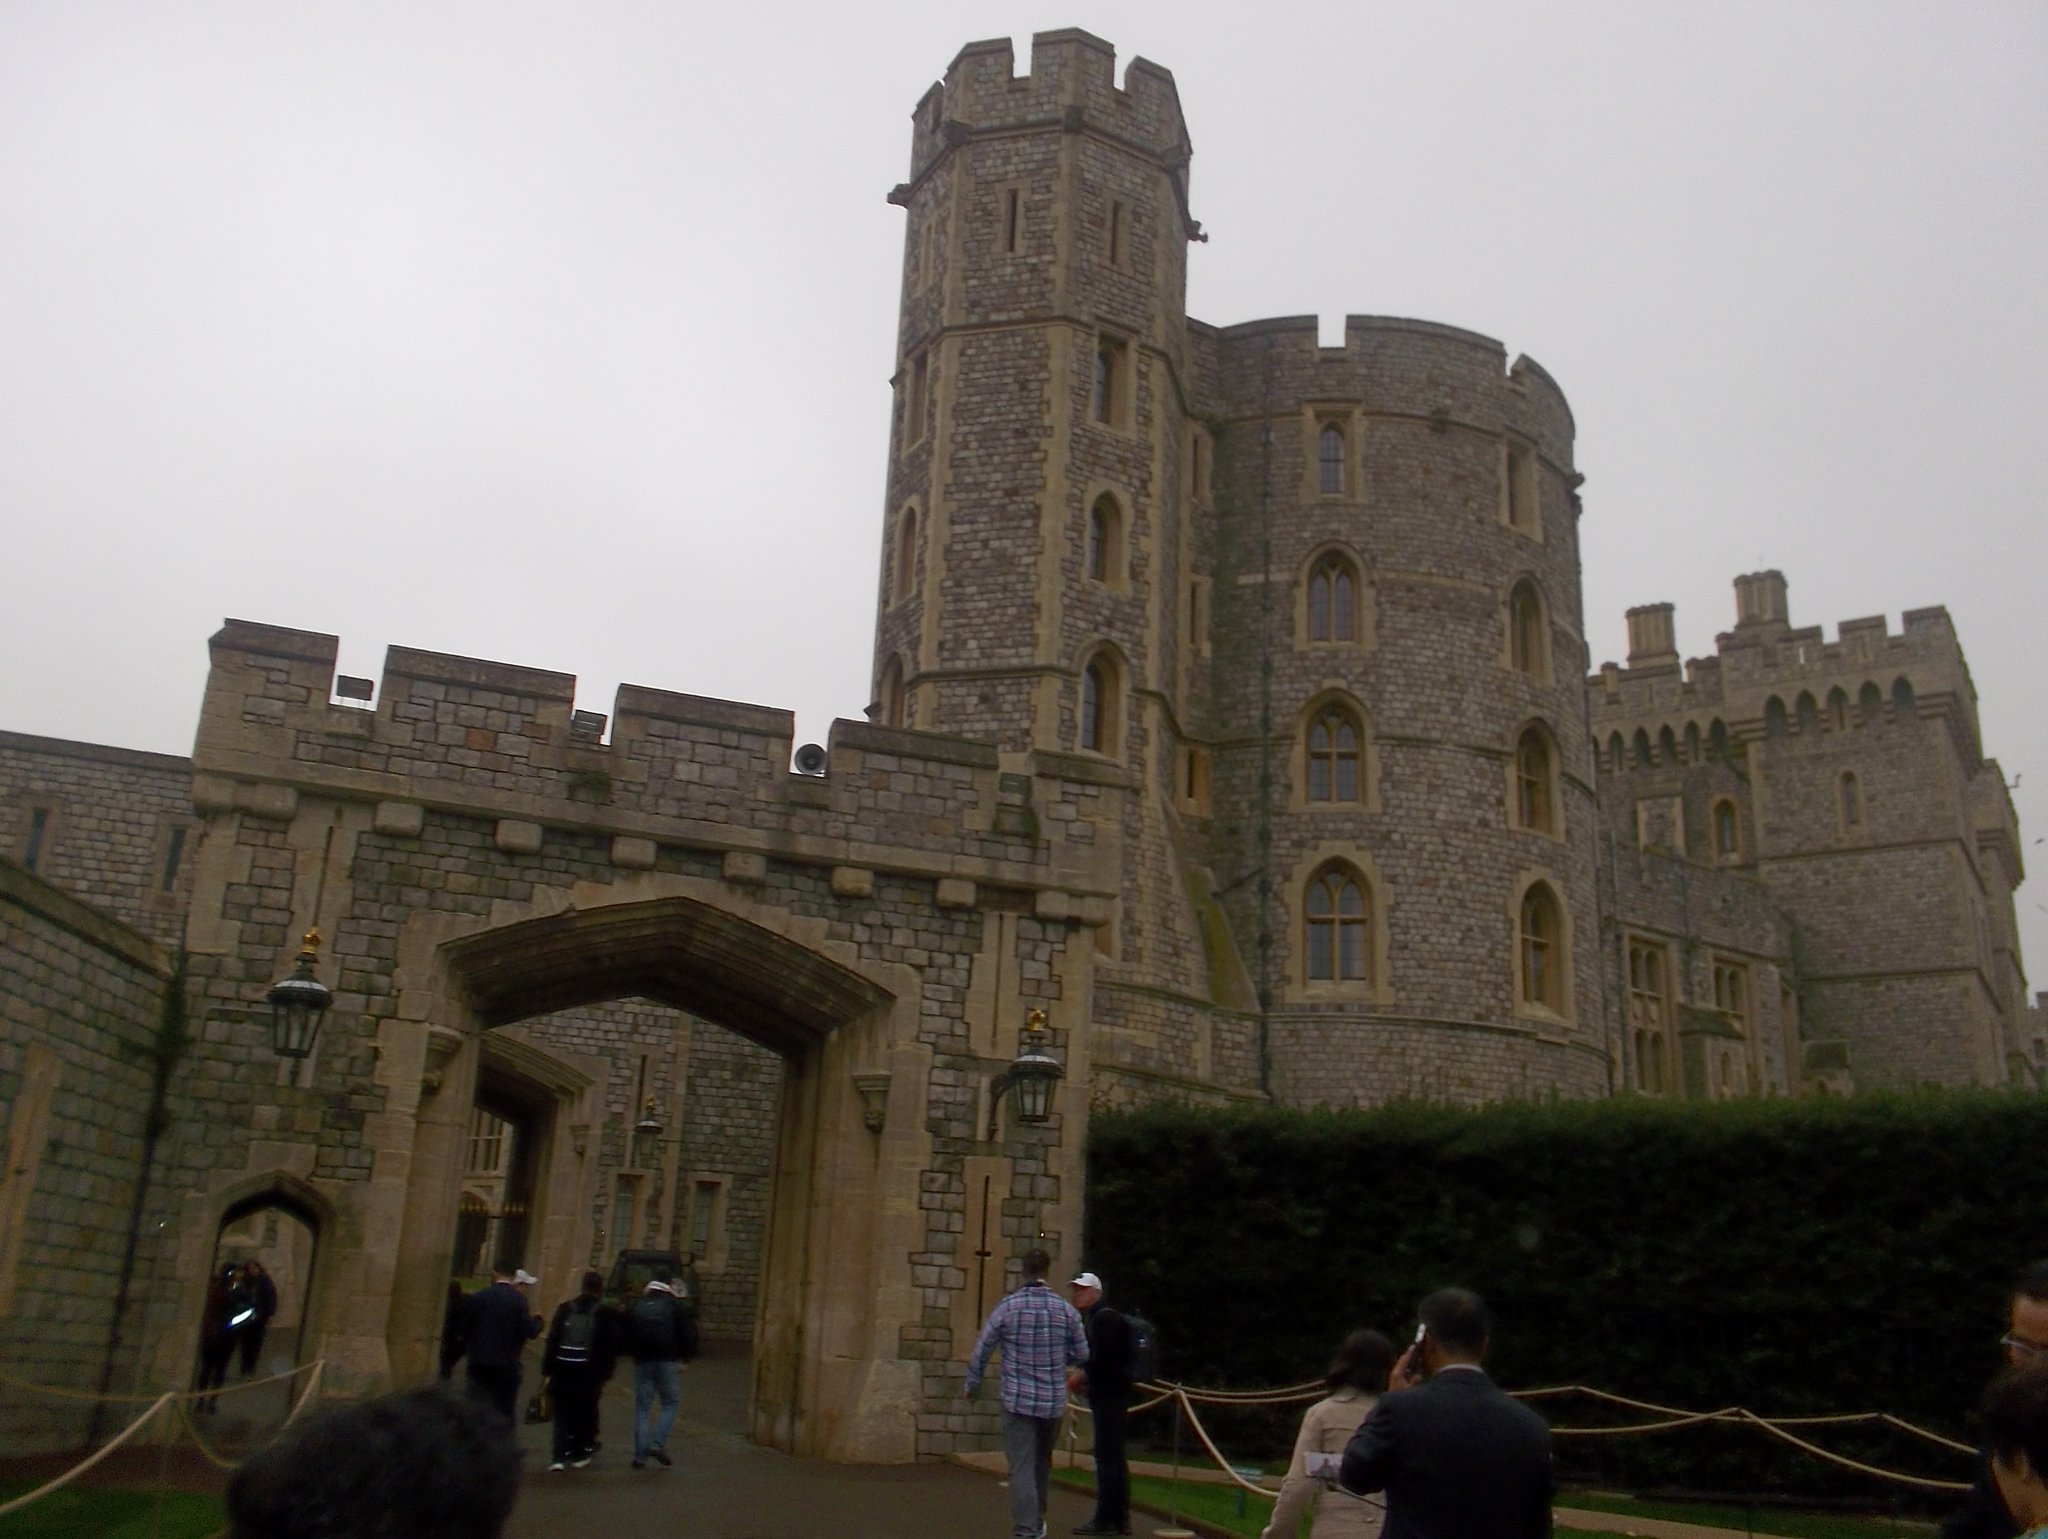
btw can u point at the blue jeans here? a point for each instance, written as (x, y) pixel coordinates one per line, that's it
(652, 1380)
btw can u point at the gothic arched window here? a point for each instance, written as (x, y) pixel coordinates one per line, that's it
(1333, 600)
(1535, 782)
(1541, 949)
(1526, 630)
(1335, 746)
(1338, 916)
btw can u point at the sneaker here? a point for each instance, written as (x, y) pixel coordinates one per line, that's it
(580, 1461)
(639, 1464)
(660, 1456)
(557, 1465)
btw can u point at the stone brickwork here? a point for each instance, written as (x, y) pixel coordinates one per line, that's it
(1183, 631)
(1846, 779)
(117, 826)
(79, 1012)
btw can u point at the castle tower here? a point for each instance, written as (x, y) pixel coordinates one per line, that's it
(1845, 783)
(1394, 702)
(1034, 454)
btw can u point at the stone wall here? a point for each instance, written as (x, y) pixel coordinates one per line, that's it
(117, 826)
(81, 1003)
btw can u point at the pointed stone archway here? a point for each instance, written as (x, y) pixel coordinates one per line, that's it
(483, 862)
(825, 1332)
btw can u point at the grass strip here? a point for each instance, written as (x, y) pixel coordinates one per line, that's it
(91, 1512)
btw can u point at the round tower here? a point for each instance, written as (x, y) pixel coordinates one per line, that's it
(1396, 705)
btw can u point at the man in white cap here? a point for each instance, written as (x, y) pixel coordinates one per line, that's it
(1108, 1380)
(501, 1323)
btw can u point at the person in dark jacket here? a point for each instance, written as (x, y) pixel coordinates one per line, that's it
(500, 1326)
(1107, 1380)
(216, 1335)
(454, 1329)
(2015, 1416)
(662, 1336)
(262, 1301)
(1456, 1457)
(578, 1358)
(1983, 1514)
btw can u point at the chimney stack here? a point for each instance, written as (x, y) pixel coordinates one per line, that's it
(1650, 643)
(1760, 602)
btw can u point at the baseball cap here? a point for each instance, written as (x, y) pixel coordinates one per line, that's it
(523, 1278)
(1086, 1280)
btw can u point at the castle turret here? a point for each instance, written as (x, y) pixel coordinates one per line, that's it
(1037, 428)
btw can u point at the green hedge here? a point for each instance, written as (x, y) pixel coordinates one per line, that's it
(1791, 1256)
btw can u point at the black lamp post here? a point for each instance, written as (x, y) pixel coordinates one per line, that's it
(1032, 1074)
(298, 1003)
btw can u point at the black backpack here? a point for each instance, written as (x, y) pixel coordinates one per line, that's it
(577, 1342)
(1144, 1347)
(657, 1327)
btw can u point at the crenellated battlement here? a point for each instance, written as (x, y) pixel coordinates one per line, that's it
(474, 735)
(1766, 664)
(1442, 374)
(1071, 85)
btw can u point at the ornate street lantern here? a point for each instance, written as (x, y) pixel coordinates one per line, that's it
(1032, 1074)
(298, 1004)
(647, 1137)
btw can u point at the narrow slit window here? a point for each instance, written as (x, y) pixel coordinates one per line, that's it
(1013, 216)
(1330, 458)
(174, 853)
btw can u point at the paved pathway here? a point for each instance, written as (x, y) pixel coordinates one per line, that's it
(724, 1487)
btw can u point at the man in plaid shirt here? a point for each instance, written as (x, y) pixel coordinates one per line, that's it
(1040, 1336)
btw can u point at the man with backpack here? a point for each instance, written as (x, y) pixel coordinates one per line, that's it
(1107, 1380)
(662, 1336)
(581, 1350)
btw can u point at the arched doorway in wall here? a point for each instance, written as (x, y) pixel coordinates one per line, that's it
(259, 1314)
(826, 1342)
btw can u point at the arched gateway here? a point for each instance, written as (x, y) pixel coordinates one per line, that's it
(477, 853)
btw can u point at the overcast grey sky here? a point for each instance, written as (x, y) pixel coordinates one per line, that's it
(560, 334)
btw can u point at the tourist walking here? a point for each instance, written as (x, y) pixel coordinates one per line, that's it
(261, 1304)
(216, 1337)
(1356, 1378)
(1040, 1337)
(662, 1336)
(578, 1359)
(500, 1326)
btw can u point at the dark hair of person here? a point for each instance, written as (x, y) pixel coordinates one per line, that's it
(2015, 1416)
(593, 1284)
(1362, 1362)
(1035, 1262)
(505, 1266)
(1457, 1318)
(2033, 1284)
(420, 1464)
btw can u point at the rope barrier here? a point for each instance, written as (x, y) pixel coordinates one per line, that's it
(76, 1470)
(1670, 1418)
(58, 1393)
(176, 1400)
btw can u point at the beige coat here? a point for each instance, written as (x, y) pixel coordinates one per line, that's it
(1325, 1429)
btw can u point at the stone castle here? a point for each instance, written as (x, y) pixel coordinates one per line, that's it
(1232, 705)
